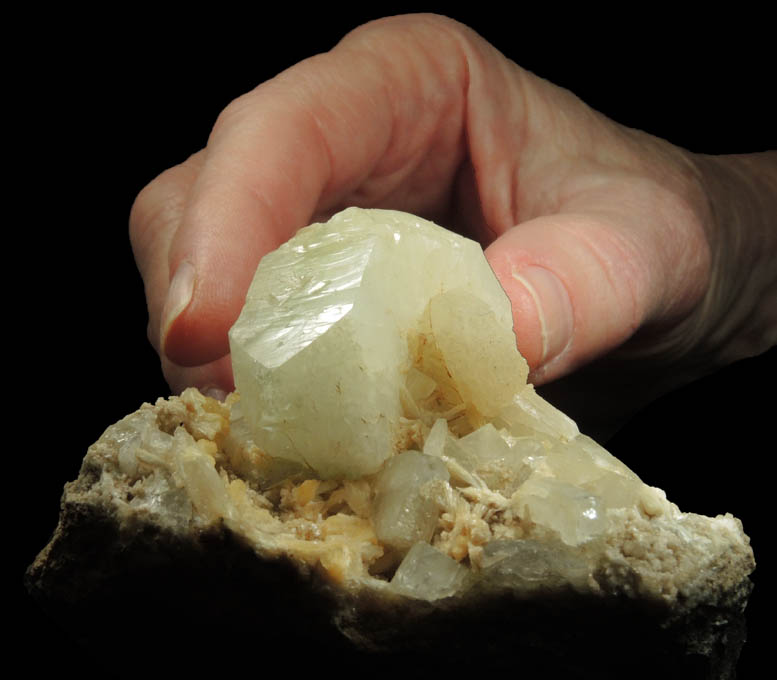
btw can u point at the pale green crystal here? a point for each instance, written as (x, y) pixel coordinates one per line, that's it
(320, 351)
(402, 515)
(478, 350)
(527, 564)
(500, 460)
(577, 515)
(527, 413)
(589, 466)
(428, 574)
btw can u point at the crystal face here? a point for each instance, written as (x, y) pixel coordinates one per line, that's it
(402, 516)
(331, 328)
(429, 574)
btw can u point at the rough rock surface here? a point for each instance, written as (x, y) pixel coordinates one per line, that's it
(137, 558)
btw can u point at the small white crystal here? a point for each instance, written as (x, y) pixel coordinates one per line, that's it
(575, 514)
(428, 574)
(434, 445)
(529, 413)
(402, 515)
(526, 564)
(501, 461)
(145, 451)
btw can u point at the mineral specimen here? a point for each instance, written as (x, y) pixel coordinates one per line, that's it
(384, 454)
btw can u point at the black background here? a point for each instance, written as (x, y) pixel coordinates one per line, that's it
(109, 102)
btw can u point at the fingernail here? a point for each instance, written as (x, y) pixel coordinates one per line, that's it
(554, 309)
(179, 295)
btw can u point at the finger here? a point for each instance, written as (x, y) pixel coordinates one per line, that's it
(154, 218)
(214, 379)
(355, 126)
(558, 284)
(583, 283)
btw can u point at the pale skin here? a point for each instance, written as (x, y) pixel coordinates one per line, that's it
(608, 241)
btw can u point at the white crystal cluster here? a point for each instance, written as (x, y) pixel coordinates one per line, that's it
(171, 474)
(380, 346)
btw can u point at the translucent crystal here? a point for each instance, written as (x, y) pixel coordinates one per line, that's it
(437, 438)
(528, 413)
(320, 351)
(479, 352)
(248, 460)
(428, 574)
(575, 514)
(585, 464)
(143, 450)
(502, 462)
(402, 515)
(526, 564)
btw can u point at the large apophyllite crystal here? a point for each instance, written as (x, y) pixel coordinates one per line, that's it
(352, 320)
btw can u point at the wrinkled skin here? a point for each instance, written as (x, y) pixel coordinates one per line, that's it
(604, 238)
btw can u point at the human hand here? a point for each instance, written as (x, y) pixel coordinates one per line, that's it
(603, 237)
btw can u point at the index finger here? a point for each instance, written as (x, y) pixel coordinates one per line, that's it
(353, 126)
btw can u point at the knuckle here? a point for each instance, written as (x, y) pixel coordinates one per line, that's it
(158, 209)
(234, 115)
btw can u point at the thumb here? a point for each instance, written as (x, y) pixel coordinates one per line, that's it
(578, 286)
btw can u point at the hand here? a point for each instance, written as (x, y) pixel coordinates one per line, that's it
(603, 237)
